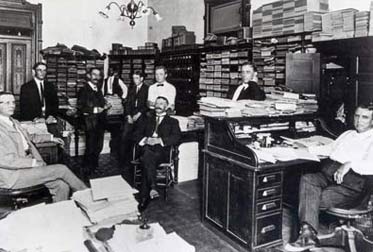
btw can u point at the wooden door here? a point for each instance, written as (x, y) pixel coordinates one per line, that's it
(303, 72)
(15, 63)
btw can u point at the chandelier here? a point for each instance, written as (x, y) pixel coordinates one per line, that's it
(132, 10)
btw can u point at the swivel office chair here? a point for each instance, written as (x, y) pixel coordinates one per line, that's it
(165, 171)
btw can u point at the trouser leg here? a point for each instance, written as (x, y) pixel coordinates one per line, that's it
(45, 174)
(151, 158)
(126, 144)
(59, 190)
(310, 191)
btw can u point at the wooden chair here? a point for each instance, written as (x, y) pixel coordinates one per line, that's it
(165, 171)
(14, 199)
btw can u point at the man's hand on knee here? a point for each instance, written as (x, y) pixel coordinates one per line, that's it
(341, 172)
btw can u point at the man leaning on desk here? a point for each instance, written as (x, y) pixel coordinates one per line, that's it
(341, 182)
(249, 88)
(21, 164)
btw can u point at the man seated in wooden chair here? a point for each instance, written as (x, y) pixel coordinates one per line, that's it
(155, 134)
(341, 181)
(20, 162)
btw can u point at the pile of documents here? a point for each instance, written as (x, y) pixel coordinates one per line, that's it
(54, 227)
(276, 103)
(108, 198)
(116, 105)
(130, 238)
(190, 122)
(371, 19)
(292, 152)
(361, 23)
(38, 131)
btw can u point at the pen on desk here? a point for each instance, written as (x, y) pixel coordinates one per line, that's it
(90, 246)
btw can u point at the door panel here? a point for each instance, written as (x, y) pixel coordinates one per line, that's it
(3, 66)
(19, 56)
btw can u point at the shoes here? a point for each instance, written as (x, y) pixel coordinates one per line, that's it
(153, 194)
(307, 240)
(143, 204)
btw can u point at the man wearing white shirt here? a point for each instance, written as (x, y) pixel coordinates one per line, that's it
(38, 98)
(248, 89)
(341, 182)
(113, 85)
(161, 88)
(21, 164)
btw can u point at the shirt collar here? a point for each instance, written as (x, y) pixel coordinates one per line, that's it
(161, 115)
(365, 134)
(245, 85)
(38, 81)
(93, 86)
(6, 119)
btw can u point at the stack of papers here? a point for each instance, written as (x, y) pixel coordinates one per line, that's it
(129, 238)
(371, 19)
(340, 23)
(109, 198)
(38, 131)
(55, 227)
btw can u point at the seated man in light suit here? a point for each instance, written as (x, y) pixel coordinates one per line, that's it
(341, 181)
(155, 134)
(21, 164)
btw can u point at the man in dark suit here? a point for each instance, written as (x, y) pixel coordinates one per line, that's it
(248, 89)
(155, 134)
(38, 98)
(92, 108)
(135, 107)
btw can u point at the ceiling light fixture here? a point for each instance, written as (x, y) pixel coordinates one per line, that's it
(132, 10)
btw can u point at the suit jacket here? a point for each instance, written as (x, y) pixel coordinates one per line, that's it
(30, 102)
(12, 153)
(131, 107)
(168, 129)
(253, 92)
(88, 99)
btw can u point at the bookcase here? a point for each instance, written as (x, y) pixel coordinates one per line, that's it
(183, 72)
(128, 64)
(269, 56)
(220, 68)
(69, 73)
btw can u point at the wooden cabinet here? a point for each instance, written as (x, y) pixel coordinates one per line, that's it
(20, 42)
(242, 197)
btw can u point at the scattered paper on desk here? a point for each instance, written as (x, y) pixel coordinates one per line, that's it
(309, 141)
(54, 227)
(111, 188)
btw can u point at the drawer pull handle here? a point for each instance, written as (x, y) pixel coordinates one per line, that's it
(268, 229)
(269, 206)
(269, 192)
(267, 179)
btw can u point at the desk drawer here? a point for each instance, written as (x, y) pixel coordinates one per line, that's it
(268, 193)
(268, 180)
(268, 206)
(268, 229)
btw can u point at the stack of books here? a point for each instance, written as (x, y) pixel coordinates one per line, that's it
(362, 23)
(287, 17)
(371, 20)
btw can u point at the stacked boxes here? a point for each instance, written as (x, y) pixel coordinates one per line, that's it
(371, 19)
(361, 24)
(180, 36)
(221, 69)
(338, 24)
(287, 17)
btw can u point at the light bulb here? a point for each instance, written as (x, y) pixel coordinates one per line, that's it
(158, 17)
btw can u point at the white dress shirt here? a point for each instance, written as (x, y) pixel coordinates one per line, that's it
(353, 147)
(164, 89)
(10, 123)
(238, 91)
(110, 82)
(40, 84)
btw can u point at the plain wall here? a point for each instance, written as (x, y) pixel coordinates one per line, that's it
(77, 22)
(176, 12)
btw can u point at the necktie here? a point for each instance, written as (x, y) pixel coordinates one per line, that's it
(41, 93)
(160, 85)
(157, 124)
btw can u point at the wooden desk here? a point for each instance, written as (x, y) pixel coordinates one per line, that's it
(243, 198)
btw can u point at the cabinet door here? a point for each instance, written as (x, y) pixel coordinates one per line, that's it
(3, 66)
(19, 67)
(364, 80)
(216, 192)
(303, 72)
